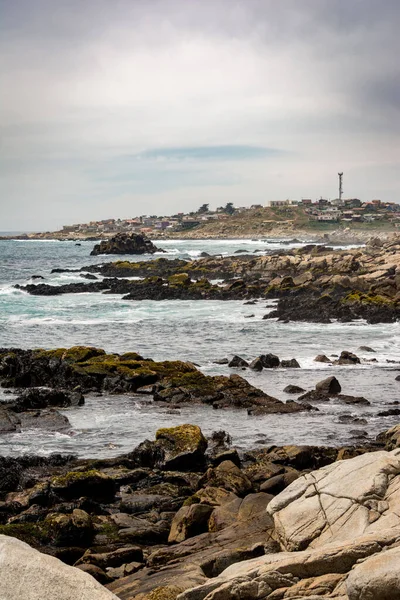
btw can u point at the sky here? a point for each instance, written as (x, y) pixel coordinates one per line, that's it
(118, 108)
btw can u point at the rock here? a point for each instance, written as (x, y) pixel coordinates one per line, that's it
(228, 476)
(125, 243)
(290, 364)
(221, 361)
(277, 483)
(95, 572)
(256, 364)
(189, 521)
(322, 358)
(112, 559)
(270, 361)
(237, 361)
(28, 574)
(183, 447)
(9, 421)
(225, 515)
(34, 398)
(366, 349)
(76, 484)
(293, 389)
(348, 358)
(314, 396)
(314, 574)
(377, 578)
(330, 386)
(67, 530)
(346, 399)
(143, 531)
(50, 420)
(333, 505)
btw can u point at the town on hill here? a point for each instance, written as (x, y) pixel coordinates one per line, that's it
(278, 218)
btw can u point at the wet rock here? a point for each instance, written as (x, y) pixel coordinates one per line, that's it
(9, 421)
(322, 358)
(50, 420)
(290, 364)
(348, 358)
(330, 386)
(270, 361)
(221, 361)
(293, 389)
(346, 399)
(366, 349)
(389, 413)
(256, 364)
(314, 396)
(124, 243)
(237, 361)
(34, 398)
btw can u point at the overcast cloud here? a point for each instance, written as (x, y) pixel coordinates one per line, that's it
(126, 107)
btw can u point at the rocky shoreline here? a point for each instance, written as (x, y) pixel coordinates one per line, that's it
(188, 517)
(312, 283)
(185, 516)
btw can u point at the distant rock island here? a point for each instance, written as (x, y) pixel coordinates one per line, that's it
(126, 243)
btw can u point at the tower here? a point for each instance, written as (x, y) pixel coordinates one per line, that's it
(340, 185)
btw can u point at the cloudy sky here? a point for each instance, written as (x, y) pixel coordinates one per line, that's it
(113, 108)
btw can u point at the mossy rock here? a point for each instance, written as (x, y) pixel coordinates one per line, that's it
(81, 353)
(49, 354)
(165, 592)
(31, 533)
(179, 279)
(75, 529)
(183, 446)
(76, 484)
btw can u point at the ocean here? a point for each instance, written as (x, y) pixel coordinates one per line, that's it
(197, 331)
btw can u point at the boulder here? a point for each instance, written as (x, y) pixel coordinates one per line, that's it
(237, 361)
(34, 398)
(329, 386)
(28, 574)
(228, 476)
(348, 358)
(322, 358)
(340, 502)
(125, 243)
(183, 447)
(377, 578)
(256, 364)
(270, 361)
(69, 530)
(189, 521)
(290, 364)
(76, 484)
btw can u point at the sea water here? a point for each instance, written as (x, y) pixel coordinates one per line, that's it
(199, 331)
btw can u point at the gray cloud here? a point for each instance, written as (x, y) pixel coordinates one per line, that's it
(86, 84)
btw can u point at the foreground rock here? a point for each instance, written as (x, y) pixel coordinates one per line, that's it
(125, 243)
(27, 574)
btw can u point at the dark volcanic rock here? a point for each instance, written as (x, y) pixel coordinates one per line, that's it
(330, 385)
(237, 361)
(124, 243)
(293, 389)
(34, 398)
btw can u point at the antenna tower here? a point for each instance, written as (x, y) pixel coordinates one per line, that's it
(340, 185)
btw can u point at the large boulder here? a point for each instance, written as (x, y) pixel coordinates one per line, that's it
(92, 483)
(27, 574)
(34, 398)
(183, 446)
(342, 501)
(377, 578)
(125, 243)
